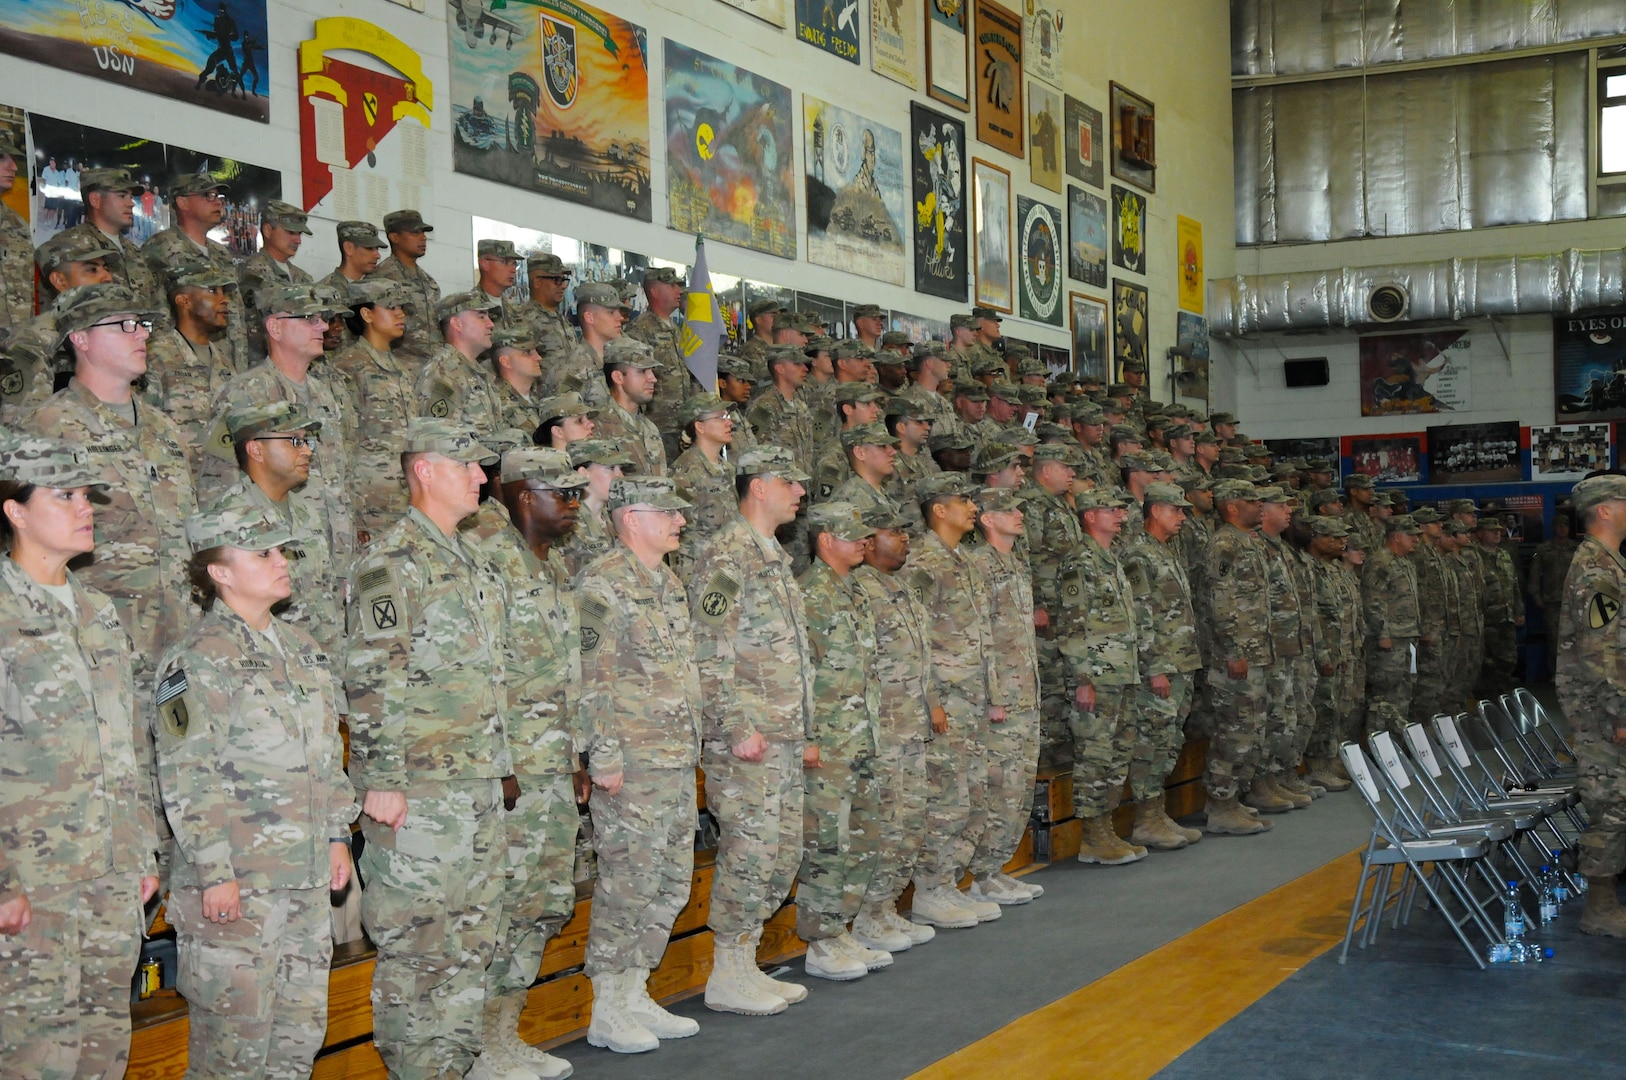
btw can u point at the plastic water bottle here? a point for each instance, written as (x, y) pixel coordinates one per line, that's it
(1561, 885)
(1512, 914)
(1546, 902)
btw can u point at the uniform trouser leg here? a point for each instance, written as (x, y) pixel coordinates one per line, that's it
(65, 981)
(1106, 739)
(431, 906)
(1330, 705)
(1602, 776)
(643, 837)
(1238, 711)
(1162, 735)
(1390, 680)
(758, 807)
(256, 988)
(1012, 751)
(1308, 682)
(1430, 689)
(955, 803)
(1055, 703)
(1281, 719)
(841, 840)
(539, 895)
(1501, 657)
(901, 778)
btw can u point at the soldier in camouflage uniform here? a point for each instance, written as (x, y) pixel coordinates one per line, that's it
(283, 226)
(516, 368)
(1593, 695)
(631, 372)
(109, 196)
(16, 247)
(359, 248)
(761, 315)
(704, 476)
(189, 362)
(663, 288)
(1012, 745)
(1051, 533)
(542, 656)
(548, 278)
(262, 826)
(453, 385)
(428, 756)
(1549, 565)
(601, 462)
(928, 369)
(1463, 627)
(983, 351)
(641, 711)
(600, 311)
(777, 414)
(29, 358)
(1276, 783)
(1393, 625)
(1168, 660)
(76, 811)
(1466, 514)
(1359, 497)
(382, 403)
(566, 419)
(1439, 617)
(1337, 693)
(409, 239)
(496, 264)
(856, 404)
(198, 201)
(751, 644)
(735, 385)
(1504, 608)
(872, 454)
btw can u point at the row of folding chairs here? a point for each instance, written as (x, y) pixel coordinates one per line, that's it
(1456, 807)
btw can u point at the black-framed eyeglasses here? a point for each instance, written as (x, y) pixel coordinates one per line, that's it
(298, 442)
(215, 195)
(312, 319)
(129, 326)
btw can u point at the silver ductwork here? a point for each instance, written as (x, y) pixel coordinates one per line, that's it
(1448, 290)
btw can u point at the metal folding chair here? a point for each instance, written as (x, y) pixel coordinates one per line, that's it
(1521, 747)
(1425, 863)
(1523, 707)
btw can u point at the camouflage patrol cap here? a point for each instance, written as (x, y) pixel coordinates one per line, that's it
(598, 452)
(1222, 418)
(980, 312)
(252, 421)
(698, 406)
(1463, 506)
(1034, 397)
(1178, 411)
(988, 365)
(944, 485)
(286, 215)
(236, 521)
(1159, 460)
(663, 275)
(405, 221)
(632, 353)
(1101, 498)
(600, 294)
(543, 466)
(962, 322)
(893, 338)
(1005, 391)
(1229, 490)
(1456, 528)
(818, 343)
(848, 349)
(497, 249)
(427, 435)
(569, 403)
(109, 179)
(785, 354)
(1273, 494)
(971, 391)
(1049, 431)
(871, 434)
(1016, 350)
(1326, 526)
(1134, 367)
(470, 300)
(840, 519)
(1166, 494)
(1178, 431)
(301, 300)
(1196, 482)
(505, 441)
(1284, 469)
(997, 500)
(1119, 390)
(867, 311)
(991, 457)
(1397, 499)
(810, 323)
(853, 393)
(1125, 432)
(1089, 413)
(1205, 438)
(760, 308)
(1427, 515)
(360, 233)
(736, 367)
(885, 516)
(1317, 465)
(656, 492)
(197, 276)
(546, 262)
(768, 460)
(47, 462)
(1358, 480)
(1402, 523)
(1225, 471)
(1230, 455)
(1325, 498)
(507, 337)
(85, 305)
(1136, 463)
(195, 183)
(950, 440)
(380, 292)
(1488, 523)
(925, 350)
(84, 243)
(1060, 452)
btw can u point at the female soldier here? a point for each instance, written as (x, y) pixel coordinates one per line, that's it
(77, 836)
(250, 769)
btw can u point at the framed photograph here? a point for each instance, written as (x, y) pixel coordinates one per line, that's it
(1128, 229)
(998, 67)
(1414, 373)
(1589, 358)
(1134, 138)
(1327, 448)
(1130, 324)
(1191, 372)
(1043, 55)
(1568, 452)
(1387, 459)
(1044, 135)
(1086, 237)
(937, 168)
(1089, 317)
(1082, 141)
(991, 239)
(1474, 453)
(919, 327)
(948, 65)
(1038, 235)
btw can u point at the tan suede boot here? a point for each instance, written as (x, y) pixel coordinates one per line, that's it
(1603, 914)
(1102, 845)
(1263, 797)
(1152, 828)
(1226, 817)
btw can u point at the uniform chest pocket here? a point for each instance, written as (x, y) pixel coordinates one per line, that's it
(41, 660)
(265, 720)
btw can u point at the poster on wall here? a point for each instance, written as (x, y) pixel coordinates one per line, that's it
(1082, 138)
(1414, 373)
(1038, 237)
(1128, 230)
(1569, 451)
(560, 108)
(730, 170)
(854, 192)
(1589, 367)
(948, 69)
(1133, 120)
(1191, 371)
(1086, 237)
(919, 327)
(1387, 459)
(1189, 252)
(1044, 57)
(769, 11)
(991, 222)
(62, 149)
(1474, 453)
(830, 311)
(937, 154)
(1324, 448)
(363, 134)
(894, 40)
(1044, 135)
(209, 54)
(585, 261)
(1089, 326)
(1524, 517)
(1130, 323)
(830, 25)
(997, 60)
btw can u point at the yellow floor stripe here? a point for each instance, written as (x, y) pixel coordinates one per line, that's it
(1133, 1022)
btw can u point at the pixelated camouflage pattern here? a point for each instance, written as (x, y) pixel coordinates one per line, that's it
(634, 433)
(170, 249)
(465, 392)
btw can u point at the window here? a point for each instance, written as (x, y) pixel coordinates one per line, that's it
(1611, 121)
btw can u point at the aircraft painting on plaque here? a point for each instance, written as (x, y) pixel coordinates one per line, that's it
(729, 168)
(1038, 234)
(552, 96)
(1086, 237)
(831, 25)
(854, 192)
(937, 154)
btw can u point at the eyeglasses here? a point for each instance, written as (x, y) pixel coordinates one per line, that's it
(314, 320)
(549, 277)
(129, 326)
(209, 196)
(298, 442)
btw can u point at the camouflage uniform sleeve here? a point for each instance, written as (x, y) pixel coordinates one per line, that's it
(1592, 632)
(602, 624)
(1139, 571)
(1073, 620)
(1376, 588)
(381, 617)
(343, 809)
(192, 694)
(1329, 646)
(1228, 613)
(714, 610)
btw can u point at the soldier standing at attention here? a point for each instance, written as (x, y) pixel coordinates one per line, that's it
(1052, 533)
(262, 823)
(601, 462)
(1389, 601)
(778, 414)
(566, 419)
(283, 227)
(1337, 694)
(1591, 690)
(600, 311)
(110, 196)
(703, 475)
(382, 403)
(631, 372)
(16, 248)
(28, 358)
(496, 265)
(199, 203)
(429, 758)
(76, 812)
(1438, 615)
(751, 644)
(517, 368)
(640, 710)
(735, 385)
(1275, 780)
(548, 278)
(663, 288)
(409, 240)
(453, 385)
(1504, 608)
(188, 362)
(761, 315)
(359, 253)
(1548, 567)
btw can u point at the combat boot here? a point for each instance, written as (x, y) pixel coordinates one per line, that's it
(871, 929)
(731, 987)
(993, 890)
(1279, 788)
(611, 1025)
(1102, 845)
(872, 959)
(501, 1030)
(985, 910)
(1263, 797)
(917, 933)
(1226, 817)
(648, 1012)
(1603, 914)
(1152, 830)
(942, 906)
(1034, 891)
(1321, 772)
(1294, 784)
(790, 992)
(826, 959)
(494, 1065)
(1191, 835)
